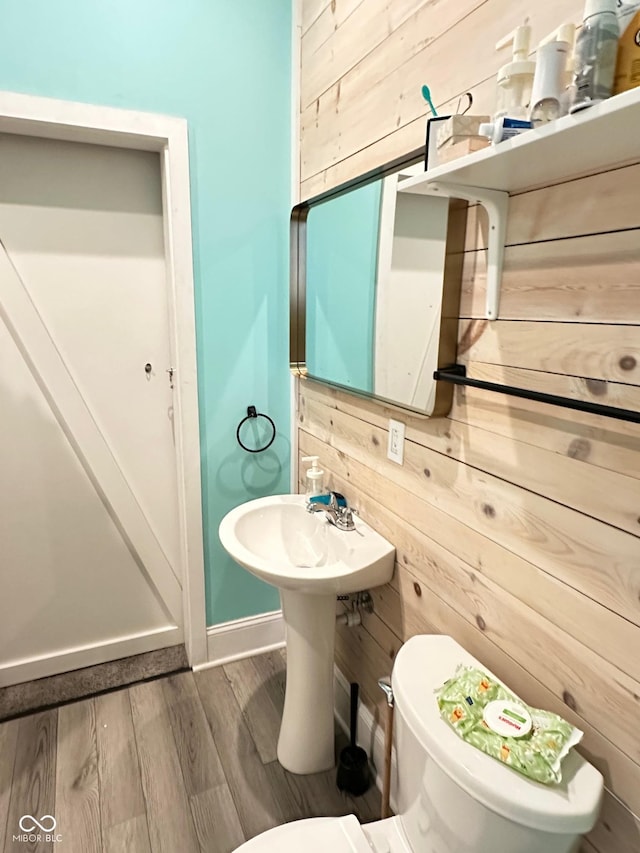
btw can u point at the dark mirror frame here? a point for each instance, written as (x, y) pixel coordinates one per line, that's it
(452, 283)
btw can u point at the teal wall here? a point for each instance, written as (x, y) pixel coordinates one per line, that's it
(342, 255)
(224, 65)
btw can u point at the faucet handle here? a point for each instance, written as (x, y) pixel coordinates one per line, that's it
(337, 501)
(344, 520)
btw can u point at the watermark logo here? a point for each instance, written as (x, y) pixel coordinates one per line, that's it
(28, 823)
(37, 829)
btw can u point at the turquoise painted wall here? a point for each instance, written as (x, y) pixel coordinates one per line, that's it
(342, 255)
(224, 65)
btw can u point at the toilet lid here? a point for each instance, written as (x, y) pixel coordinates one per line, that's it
(314, 835)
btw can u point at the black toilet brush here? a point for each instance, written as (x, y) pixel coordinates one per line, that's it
(353, 770)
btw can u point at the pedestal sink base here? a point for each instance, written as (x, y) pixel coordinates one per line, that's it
(307, 737)
(311, 562)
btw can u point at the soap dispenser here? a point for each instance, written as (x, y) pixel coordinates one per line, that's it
(314, 481)
(514, 80)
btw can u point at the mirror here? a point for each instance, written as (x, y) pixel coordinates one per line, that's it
(376, 274)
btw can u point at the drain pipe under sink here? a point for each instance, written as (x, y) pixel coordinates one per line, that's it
(350, 618)
(353, 617)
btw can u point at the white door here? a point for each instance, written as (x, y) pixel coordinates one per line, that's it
(89, 536)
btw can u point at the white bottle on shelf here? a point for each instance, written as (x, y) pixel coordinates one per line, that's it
(595, 57)
(548, 95)
(515, 79)
(514, 83)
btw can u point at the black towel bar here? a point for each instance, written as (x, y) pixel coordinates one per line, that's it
(457, 374)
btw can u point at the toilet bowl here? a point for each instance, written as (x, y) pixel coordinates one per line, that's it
(449, 796)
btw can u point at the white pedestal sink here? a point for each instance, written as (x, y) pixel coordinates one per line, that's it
(311, 562)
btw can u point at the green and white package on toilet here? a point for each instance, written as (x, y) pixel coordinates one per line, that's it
(488, 716)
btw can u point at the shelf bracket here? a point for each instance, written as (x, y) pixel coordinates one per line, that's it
(496, 203)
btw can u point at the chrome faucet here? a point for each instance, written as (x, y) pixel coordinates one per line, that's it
(338, 515)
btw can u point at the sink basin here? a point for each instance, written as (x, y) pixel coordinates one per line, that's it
(276, 539)
(311, 562)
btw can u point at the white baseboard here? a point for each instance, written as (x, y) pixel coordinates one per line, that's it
(243, 638)
(370, 733)
(65, 660)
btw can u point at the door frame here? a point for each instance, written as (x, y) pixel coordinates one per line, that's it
(70, 121)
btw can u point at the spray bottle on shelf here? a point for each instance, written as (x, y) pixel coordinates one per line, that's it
(314, 481)
(514, 89)
(596, 49)
(549, 95)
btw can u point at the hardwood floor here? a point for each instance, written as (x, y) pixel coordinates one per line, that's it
(184, 763)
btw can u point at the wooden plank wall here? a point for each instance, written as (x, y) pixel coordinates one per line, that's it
(517, 525)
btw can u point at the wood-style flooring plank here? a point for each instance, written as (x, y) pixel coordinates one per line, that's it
(321, 797)
(260, 713)
(216, 820)
(130, 836)
(121, 798)
(77, 788)
(169, 817)
(316, 795)
(197, 752)
(34, 776)
(8, 743)
(272, 668)
(249, 782)
(304, 795)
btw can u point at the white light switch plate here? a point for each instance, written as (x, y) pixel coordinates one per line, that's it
(395, 450)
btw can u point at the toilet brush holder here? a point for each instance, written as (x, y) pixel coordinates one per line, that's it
(353, 775)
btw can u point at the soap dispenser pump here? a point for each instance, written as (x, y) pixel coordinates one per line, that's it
(515, 79)
(314, 481)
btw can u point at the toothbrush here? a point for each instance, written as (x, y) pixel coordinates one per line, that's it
(426, 94)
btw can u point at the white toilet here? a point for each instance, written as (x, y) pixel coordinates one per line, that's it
(450, 797)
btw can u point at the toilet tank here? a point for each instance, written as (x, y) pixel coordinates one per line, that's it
(451, 797)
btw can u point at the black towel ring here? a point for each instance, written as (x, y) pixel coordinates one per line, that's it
(252, 413)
